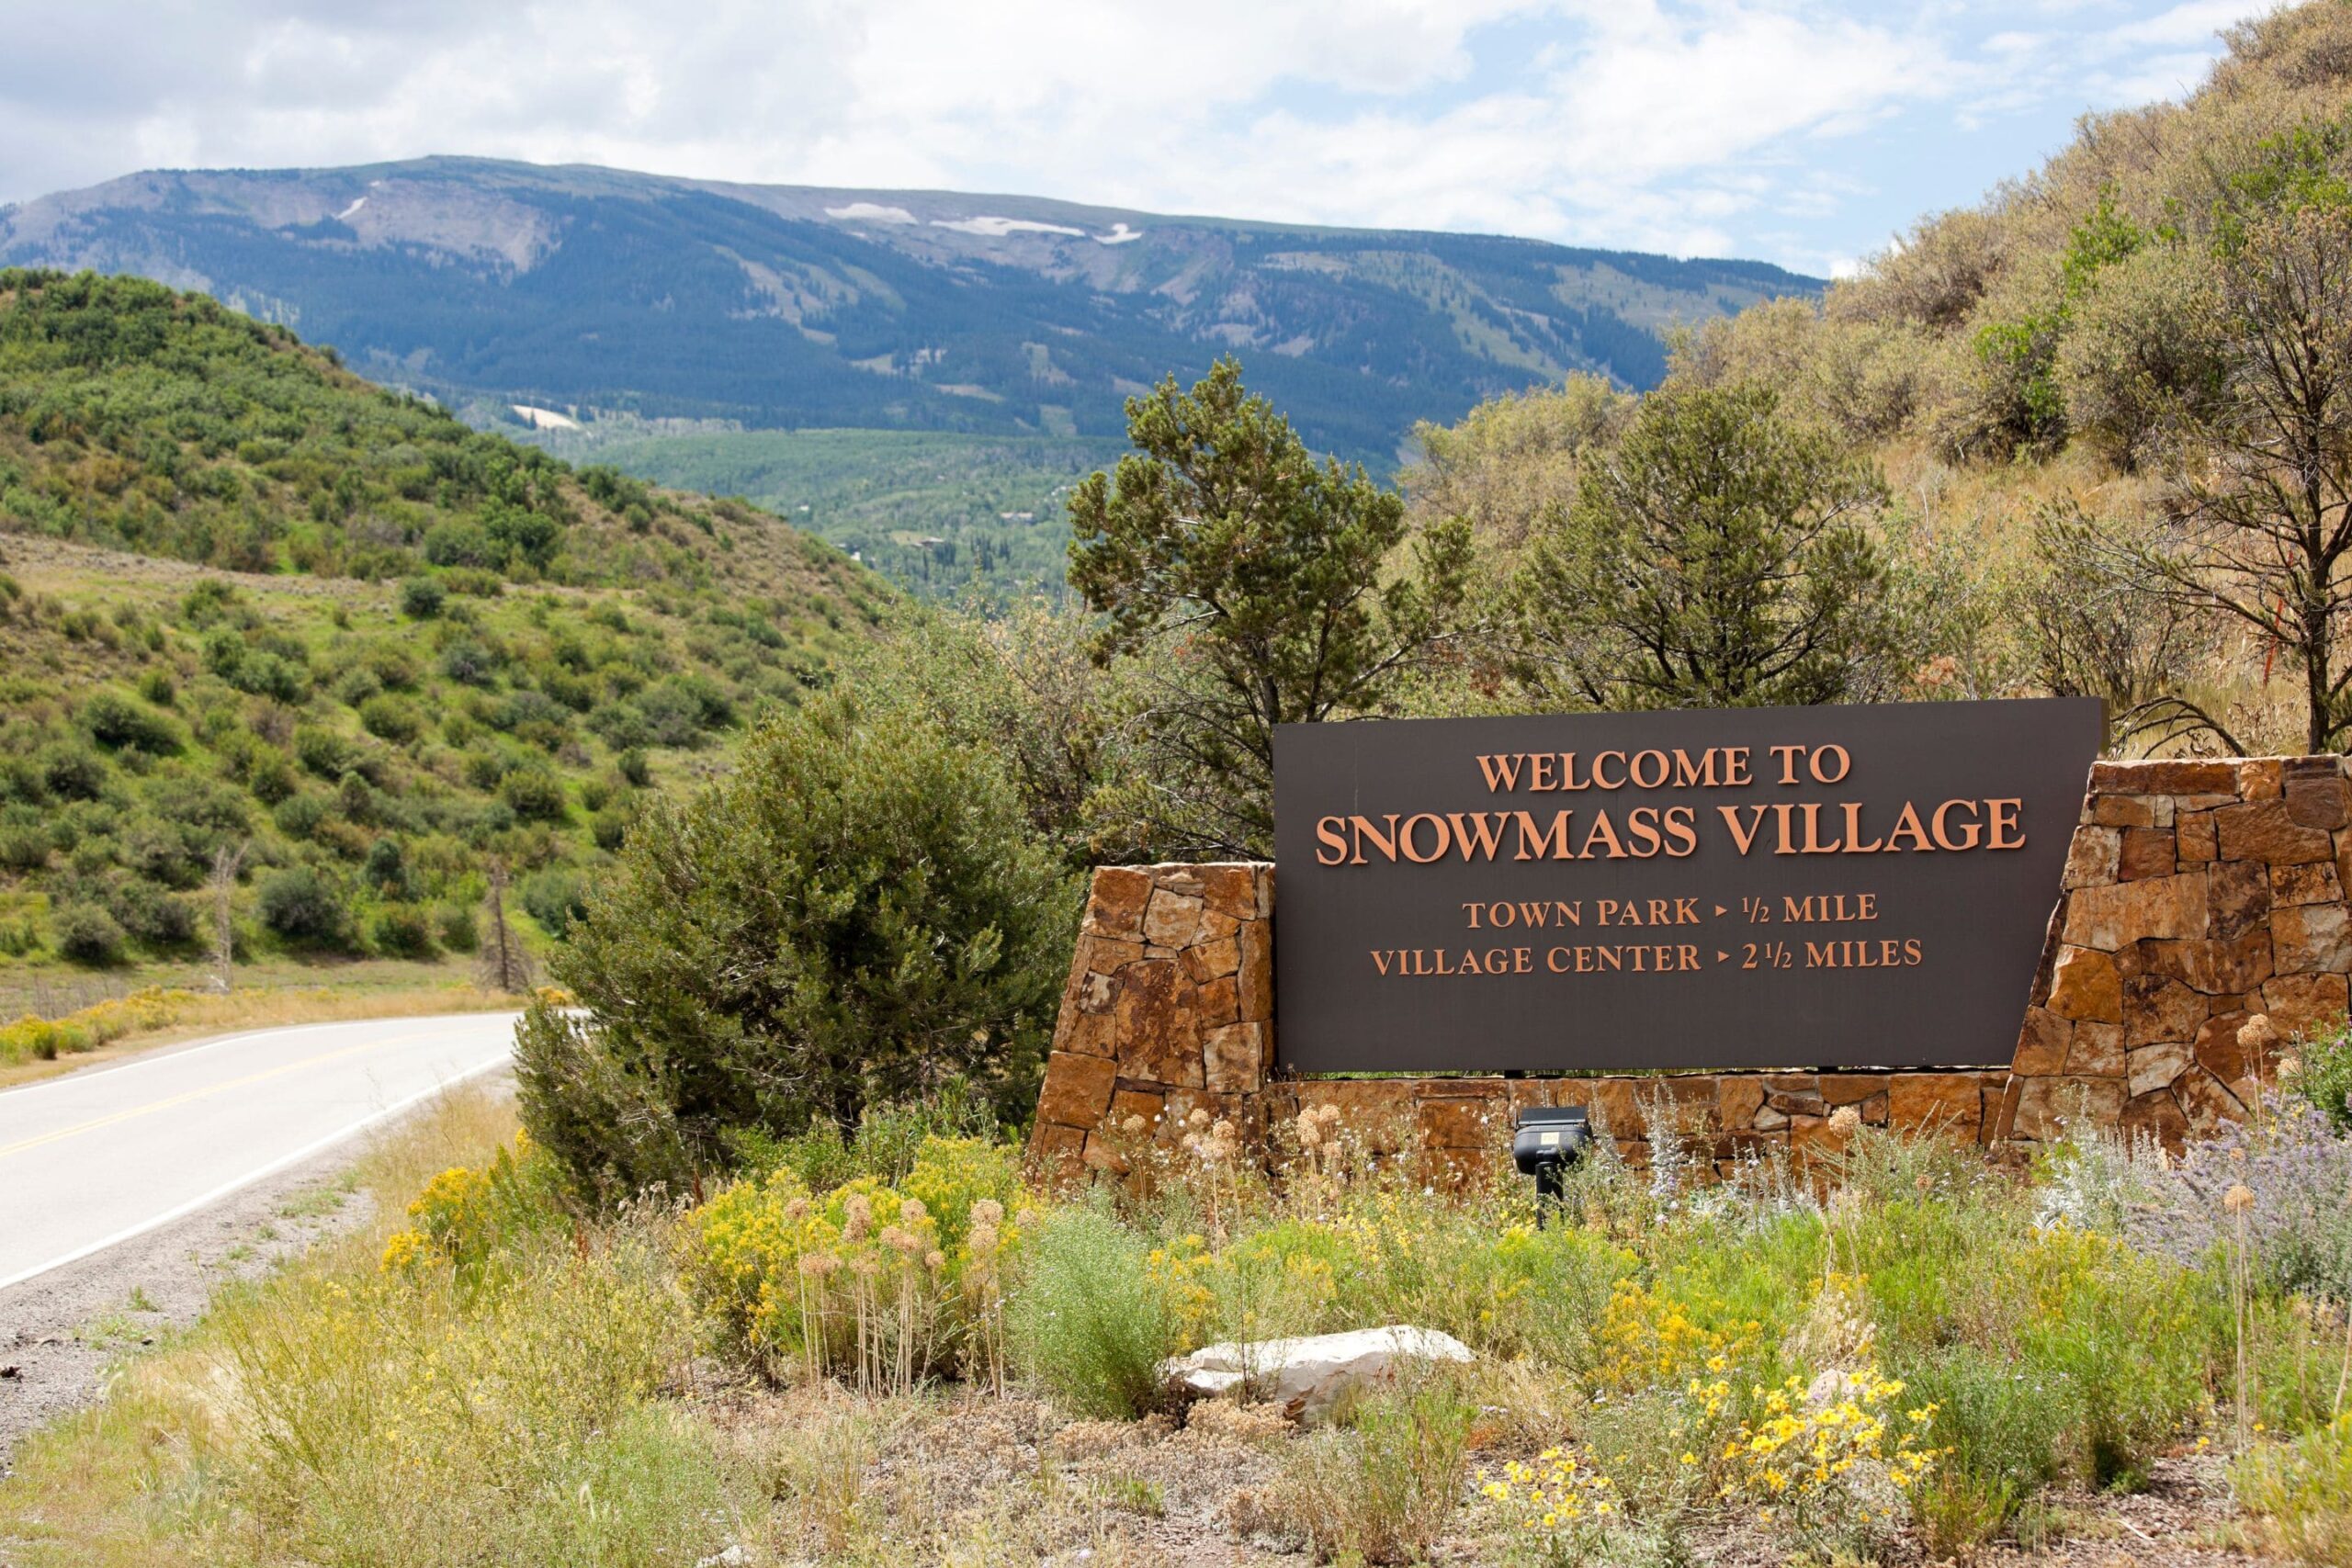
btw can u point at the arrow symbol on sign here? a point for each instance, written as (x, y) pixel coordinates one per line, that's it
(1721, 956)
(1720, 910)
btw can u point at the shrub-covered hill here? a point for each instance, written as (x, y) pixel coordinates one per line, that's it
(251, 600)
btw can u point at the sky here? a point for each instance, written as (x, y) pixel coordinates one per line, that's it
(1806, 135)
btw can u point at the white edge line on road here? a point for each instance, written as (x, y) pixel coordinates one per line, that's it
(158, 1054)
(272, 1169)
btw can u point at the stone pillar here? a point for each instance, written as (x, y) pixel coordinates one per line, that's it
(1170, 1005)
(2197, 894)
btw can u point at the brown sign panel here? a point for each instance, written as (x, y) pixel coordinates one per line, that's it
(1752, 887)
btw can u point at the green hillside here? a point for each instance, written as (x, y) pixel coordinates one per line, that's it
(251, 600)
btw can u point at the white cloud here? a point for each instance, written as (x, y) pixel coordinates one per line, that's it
(1692, 126)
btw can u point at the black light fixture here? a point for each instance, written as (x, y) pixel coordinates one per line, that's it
(1546, 1140)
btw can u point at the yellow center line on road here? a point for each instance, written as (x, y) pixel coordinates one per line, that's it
(41, 1140)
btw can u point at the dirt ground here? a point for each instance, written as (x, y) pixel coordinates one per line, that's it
(966, 1477)
(58, 1332)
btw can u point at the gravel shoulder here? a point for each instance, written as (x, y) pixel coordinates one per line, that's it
(61, 1331)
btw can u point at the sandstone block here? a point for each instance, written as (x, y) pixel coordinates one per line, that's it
(2097, 1051)
(1377, 1110)
(2298, 1004)
(1171, 919)
(2217, 1049)
(1234, 1057)
(2152, 1067)
(1798, 1102)
(2157, 1009)
(1210, 959)
(2157, 906)
(1185, 881)
(2084, 985)
(2046, 1105)
(2195, 837)
(1088, 1033)
(2041, 1044)
(2311, 938)
(2305, 885)
(2165, 776)
(2123, 811)
(1231, 890)
(2212, 967)
(2205, 1103)
(1057, 1150)
(2094, 857)
(1126, 1101)
(1617, 1111)
(1936, 1102)
(1256, 972)
(1097, 992)
(1218, 1001)
(2237, 898)
(2156, 1115)
(1077, 1090)
(1114, 906)
(1737, 1099)
(1463, 1122)
(1851, 1089)
(2313, 790)
(2260, 779)
(2147, 851)
(2261, 830)
(1159, 1034)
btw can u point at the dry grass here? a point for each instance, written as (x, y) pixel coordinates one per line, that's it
(199, 1015)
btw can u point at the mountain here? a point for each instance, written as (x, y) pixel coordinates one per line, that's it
(585, 290)
(248, 599)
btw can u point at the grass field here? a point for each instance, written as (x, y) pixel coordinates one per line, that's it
(895, 1349)
(932, 511)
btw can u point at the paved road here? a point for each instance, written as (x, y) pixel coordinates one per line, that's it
(98, 1157)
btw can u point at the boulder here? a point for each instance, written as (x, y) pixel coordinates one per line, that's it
(1307, 1376)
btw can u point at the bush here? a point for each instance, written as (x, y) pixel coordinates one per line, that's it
(1382, 1489)
(533, 794)
(322, 752)
(124, 723)
(298, 904)
(859, 909)
(400, 932)
(1089, 1323)
(555, 898)
(421, 598)
(2323, 1078)
(87, 934)
(928, 1250)
(455, 928)
(2299, 1495)
(298, 816)
(151, 916)
(72, 771)
(388, 718)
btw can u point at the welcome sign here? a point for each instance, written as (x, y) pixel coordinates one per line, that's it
(1863, 885)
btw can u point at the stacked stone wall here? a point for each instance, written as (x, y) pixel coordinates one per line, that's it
(2197, 896)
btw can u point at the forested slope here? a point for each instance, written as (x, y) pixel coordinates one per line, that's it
(255, 604)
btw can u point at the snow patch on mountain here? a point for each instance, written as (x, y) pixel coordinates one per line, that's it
(990, 227)
(870, 212)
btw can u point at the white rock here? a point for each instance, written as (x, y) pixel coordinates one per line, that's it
(1307, 1376)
